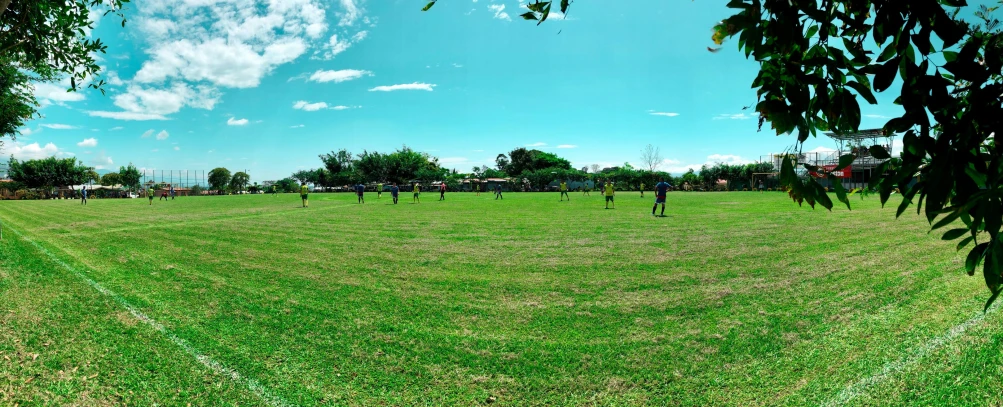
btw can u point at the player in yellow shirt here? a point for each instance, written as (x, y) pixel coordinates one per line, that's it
(379, 190)
(417, 190)
(564, 191)
(609, 194)
(303, 194)
(642, 190)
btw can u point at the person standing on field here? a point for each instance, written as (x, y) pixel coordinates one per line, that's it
(173, 194)
(394, 191)
(498, 192)
(360, 190)
(761, 189)
(273, 190)
(477, 188)
(150, 193)
(661, 188)
(379, 190)
(642, 190)
(609, 194)
(564, 191)
(442, 191)
(83, 195)
(417, 190)
(303, 194)
(585, 188)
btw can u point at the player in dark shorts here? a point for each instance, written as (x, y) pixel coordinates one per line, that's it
(660, 190)
(394, 191)
(360, 190)
(83, 195)
(416, 190)
(163, 196)
(442, 191)
(498, 192)
(149, 194)
(303, 194)
(173, 194)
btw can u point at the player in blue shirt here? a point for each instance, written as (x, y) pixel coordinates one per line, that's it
(660, 191)
(360, 190)
(83, 195)
(394, 191)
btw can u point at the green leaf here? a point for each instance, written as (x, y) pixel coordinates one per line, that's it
(811, 31)
(992, 299)
(529, 15)
(863, 92)
(427, 6)
(879, 152)
(954, 234)
(951, 217)
(887, 53)
(975, 257)
(950, 56)
(841, 192)
(964, 242)
(564, 6)
(845, 160)
(886, 74)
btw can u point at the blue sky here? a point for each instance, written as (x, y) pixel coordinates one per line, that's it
(246, 84)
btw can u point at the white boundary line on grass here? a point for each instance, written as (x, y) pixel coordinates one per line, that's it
(891, 368)
(205, 360)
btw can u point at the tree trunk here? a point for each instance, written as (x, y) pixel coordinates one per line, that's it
(3, 6)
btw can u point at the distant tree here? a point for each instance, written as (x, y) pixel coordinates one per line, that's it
(254, 188)
(372, 166)
(585, 169)
(651, 157)
(690, 177)
(304, 176)
(111, 178)
(286, 185)
(501, 162)
(239, 181)
(219, 178)
(92, 176)
(594, 168)
(129, 176)
(48, 172)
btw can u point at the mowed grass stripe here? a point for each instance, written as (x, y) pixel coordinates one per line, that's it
(529, 297)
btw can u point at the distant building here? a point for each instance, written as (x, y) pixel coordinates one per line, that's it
(267, 184)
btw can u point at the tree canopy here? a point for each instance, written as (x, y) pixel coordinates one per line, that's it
(239, 180)
(48, 172)
(219, 179)
(46, 40)
(129, 176)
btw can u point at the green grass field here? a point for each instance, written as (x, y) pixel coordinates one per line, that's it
(732, 299)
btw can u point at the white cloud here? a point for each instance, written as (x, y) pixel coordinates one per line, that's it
(455, 65)
(25, 132)
(405, 86)
(101, 161)
(163, 135)
(298, 126)
(56, 92)
(336, 46)
(310, 107)
(211, 151)
(453, 160)
(113, 79)
(738, 116)
(876, 116)
(567, 146)
(341, 107)
(499, 10)
(822, 150)
(147, 133)
(116, 128)
(154, 150)
(32, 151)
(350, 14)
(343, 75)
(91, 142)
(667, 114)
(359, 36)
(537, 144)
(126, 115)
(727, 159)
(176, 148)
(238, 122)
(57, 126)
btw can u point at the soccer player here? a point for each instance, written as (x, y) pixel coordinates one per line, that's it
(761, 189)
(394, 190)
(564, 191)
(498, 192)
(273, 190)
(303, 194)
(150, 193)
(379, 190)
(83, 195)
(661, 188)
(442, 191)
(360, 190)
(585, 189)
(609, 194)
(477, 188)
(173, 194)
(417, 190)
(642, 190)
